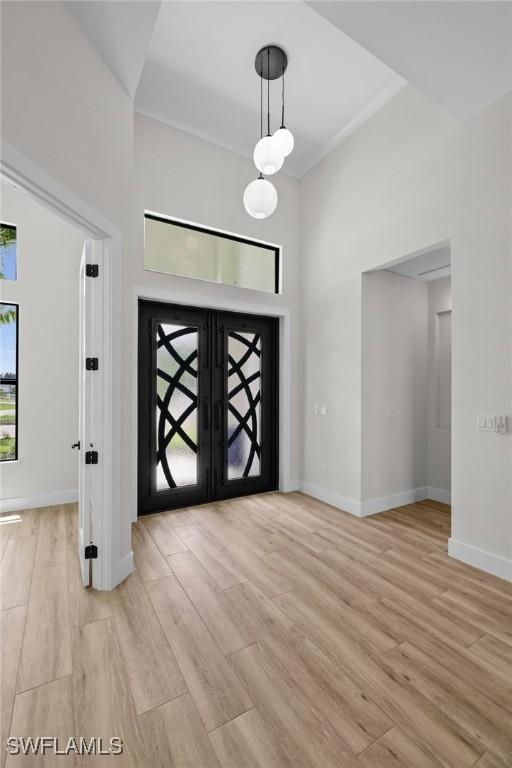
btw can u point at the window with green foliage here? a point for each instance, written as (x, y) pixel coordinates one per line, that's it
(8, 266)
(8, 381)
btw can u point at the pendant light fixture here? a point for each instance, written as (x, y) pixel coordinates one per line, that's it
(283, 137)
(268, 157)
(260, 196)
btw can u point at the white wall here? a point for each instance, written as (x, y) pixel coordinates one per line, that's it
(65, 111)
(394, 388)
(63, 108)
(410, 177)
(48, 251)
(181, 176)
(439, 376)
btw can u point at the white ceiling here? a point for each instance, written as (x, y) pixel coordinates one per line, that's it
(458, 53)
(427, 265)
(199, 76)
(121, 31)
(191, 64)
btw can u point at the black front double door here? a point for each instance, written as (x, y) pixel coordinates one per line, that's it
(208, 405)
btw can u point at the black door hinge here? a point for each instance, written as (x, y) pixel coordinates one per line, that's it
(91, 364)
(91, 552)
(92, 270)
(91, 457)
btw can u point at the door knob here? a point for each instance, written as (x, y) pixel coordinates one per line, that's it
(76, 445)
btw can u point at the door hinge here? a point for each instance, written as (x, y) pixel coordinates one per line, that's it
(91, 552)
(92, 270)
(91, 457)
(91, 364)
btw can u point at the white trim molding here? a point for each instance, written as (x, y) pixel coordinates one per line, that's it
(438, 494)
(343, 503)
(48, 499)
(374, 506)
(479, 558)
(123, 568)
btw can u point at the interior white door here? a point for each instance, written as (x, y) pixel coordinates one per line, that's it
(90, 416)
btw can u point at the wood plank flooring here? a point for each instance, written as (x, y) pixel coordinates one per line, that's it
(271, 631)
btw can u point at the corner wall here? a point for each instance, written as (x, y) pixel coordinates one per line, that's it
(439, 379)
(410, 177)
(394, 390)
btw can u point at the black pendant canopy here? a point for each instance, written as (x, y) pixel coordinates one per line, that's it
(271, 62)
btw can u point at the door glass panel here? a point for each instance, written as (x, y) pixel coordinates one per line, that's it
(244, 404)
(176, 412)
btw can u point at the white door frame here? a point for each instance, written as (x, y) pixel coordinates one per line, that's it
(109, 569)
(192, 299)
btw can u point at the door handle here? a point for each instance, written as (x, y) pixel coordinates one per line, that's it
(76, 445)
(206, 415)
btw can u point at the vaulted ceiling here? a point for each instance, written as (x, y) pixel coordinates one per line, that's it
(458, 53)
(191, 64)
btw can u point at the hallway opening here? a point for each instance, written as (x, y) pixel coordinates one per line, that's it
(406, 406)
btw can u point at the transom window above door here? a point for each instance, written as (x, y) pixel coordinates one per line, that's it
(190, 250)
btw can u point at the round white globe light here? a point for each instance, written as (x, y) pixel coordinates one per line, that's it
(268, 156)
(260, 198)
(284, 139)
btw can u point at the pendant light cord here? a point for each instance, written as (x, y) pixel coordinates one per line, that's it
(261, 107)
(282, 102)
(268, 92)
(261, 114)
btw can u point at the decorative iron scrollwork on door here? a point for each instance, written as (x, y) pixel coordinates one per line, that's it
(177, 405)
(244, 405)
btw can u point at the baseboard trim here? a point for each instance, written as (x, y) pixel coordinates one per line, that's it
(39, 500)
(334, 499)
(437, 494)
(124, 568)
(480, 558)
(374, 506)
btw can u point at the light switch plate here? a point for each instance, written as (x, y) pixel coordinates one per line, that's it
(492, 423)
(501, 425)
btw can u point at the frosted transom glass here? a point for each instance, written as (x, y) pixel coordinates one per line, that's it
(244, 405)
(179, 250)
(176, 410)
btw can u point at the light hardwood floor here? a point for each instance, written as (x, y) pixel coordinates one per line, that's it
(271, 631)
